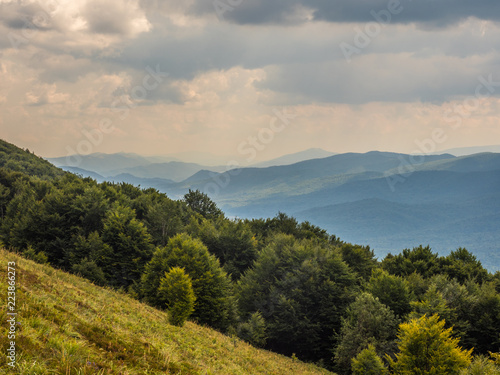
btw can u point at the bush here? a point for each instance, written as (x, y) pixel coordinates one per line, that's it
(89, 270)
(253, 331)
(38, 257)
(367, 362)
(176, 289)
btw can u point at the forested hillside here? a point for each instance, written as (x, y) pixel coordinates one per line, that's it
(276, 283)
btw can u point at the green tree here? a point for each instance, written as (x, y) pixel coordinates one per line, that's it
(164, 220)
(462, 265)
(302, 289)
(360, 258)
(231, 241)
(202, 204)
(481, 366)
(130, 247)
(211, 285)
(485, 319)
(367, 362)
(177, 290)
(392, 291)
(419, 259)
(427, 348)
(253, 330)
(90, 270)
(367, 322)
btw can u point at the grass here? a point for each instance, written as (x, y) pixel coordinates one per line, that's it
(67, 325)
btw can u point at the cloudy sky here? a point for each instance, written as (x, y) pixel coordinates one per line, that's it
(251, 79)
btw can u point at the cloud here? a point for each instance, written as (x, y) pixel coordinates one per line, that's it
(430, 13)
(114, 17)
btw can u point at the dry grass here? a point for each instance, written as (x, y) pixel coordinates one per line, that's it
(70, 326)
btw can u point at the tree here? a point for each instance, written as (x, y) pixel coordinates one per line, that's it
(427, 348)
(419, 259)
(462, 265)
(201, 203)
(392, 291)
(130, 247)
(163, 219)
(253, 330)
(360, 258)
(481, 366)
(90, 270)
(367, 362)
(211, 285)
(367, 322)
(231, 241)
(302, 289)
(177, 290)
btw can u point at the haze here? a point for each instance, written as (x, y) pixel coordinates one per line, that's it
(249, 79)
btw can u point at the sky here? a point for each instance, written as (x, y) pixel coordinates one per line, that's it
(249, 79)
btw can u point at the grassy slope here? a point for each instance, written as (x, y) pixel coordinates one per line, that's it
(70, 326)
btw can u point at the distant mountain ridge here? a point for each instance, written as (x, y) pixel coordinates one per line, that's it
(312, 153)
(389, 201)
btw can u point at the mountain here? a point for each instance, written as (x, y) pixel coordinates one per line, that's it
(109, 166)
(156, 183)
(69, 325)
(478, 162)
(312, 153)
(388, 201)
(464, 151)
(174, 170)
(84, 173)
(19, 160)
(304, 177)
(101, 163)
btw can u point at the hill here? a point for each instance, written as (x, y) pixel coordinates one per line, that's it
(67, 325)
(463, 151)
(101, 163)
(174, 170)
(18, 160)
(297, 157)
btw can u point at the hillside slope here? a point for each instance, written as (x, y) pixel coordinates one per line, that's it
(66, 325)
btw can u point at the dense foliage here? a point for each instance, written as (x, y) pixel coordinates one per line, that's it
(286, 286)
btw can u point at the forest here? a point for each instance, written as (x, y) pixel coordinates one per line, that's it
(277, 283)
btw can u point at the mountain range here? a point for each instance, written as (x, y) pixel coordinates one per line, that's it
(389, 201)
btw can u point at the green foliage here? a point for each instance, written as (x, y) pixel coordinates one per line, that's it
(462, 265)
(202, 204)
(282, 223)
(230, 241)
(163, 217)
(16, 159)
(427, 348)
(367, 362)
(130, 247)
(302, 290)
(485, 319)
(253, 330)
(432, 303)
(392, 291)
(481, 365)
(367, 323)
(360, 258)
(38, 257)
(211, 285)
(419, 259)
(177, 291)
(90, 270)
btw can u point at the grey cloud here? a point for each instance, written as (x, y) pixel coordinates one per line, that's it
(393, 79)
(252, 11)
(19, 16)
(433, 13)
